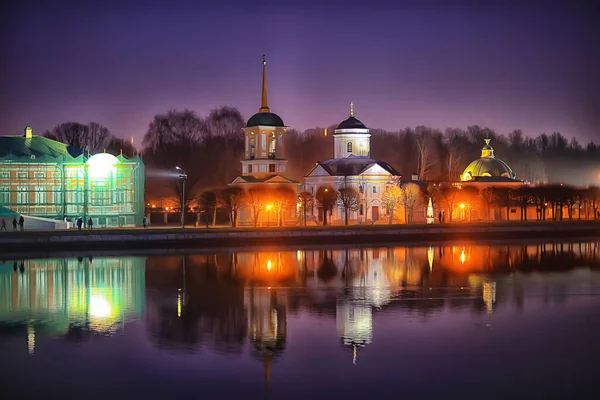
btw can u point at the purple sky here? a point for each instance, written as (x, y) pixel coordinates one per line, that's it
(507, 65)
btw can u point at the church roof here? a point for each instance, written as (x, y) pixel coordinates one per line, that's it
(487, 166)
(273, 178)
(351, 123)
(265, 119)
(37, 146)
(353, 165)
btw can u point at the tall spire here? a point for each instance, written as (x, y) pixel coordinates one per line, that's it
(264, 107)
(351, 109)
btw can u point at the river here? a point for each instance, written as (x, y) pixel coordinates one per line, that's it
(475, 320)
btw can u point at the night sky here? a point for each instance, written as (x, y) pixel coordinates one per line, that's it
(506, 65)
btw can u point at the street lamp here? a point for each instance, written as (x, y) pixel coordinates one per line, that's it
(183, 177)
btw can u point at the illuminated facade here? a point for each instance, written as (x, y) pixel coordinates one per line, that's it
(264, 163)
(40, 177)
(352, 166)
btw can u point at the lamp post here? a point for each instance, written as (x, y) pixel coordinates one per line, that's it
(183, 177)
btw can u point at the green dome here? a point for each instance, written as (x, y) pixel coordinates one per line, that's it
(487, 167)
(265, 119)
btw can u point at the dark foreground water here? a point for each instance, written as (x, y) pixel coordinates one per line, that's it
(457, 321)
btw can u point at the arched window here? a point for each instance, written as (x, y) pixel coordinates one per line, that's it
(349, 147)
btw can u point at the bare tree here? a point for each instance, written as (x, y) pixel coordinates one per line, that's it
(425, 152)
(283, 199)
(257, 198)
(348, 200)
(306, 201)
(232, 198)
(410, 195)
(392, 198)
(326, 196)
(207, 201)
(93, 137)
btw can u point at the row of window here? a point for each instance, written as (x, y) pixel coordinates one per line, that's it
(25, 175)
(98, 198)
(271, 168)
(361, 189)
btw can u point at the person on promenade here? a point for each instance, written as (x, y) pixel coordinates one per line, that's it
(440, 216)
(79, 223)
(15, 224)
(145, 221)
(21, 223)
(3, 226)
(90, 224)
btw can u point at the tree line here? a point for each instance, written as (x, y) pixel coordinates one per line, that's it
(209, 150)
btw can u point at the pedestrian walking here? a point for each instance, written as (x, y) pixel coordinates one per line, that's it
(90, 224)
(15, 224)
(145, 221)
(3, 226)
(21, 223)
(79, 223)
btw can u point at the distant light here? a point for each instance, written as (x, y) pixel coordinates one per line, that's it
(99, 307)
(269, 266)
(462, 205)
(269, 207)
(462, 256)
(167, 208)
(326, 189)
(153, 205)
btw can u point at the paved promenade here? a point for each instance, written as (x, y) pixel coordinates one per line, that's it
(165, 238)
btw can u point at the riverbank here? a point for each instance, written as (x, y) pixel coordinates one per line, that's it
(137, 238)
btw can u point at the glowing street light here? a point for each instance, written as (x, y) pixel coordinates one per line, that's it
(462, 205)
(183, 177)
(269, 206)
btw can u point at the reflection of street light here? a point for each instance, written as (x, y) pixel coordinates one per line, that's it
(462, 205)
(183, 177)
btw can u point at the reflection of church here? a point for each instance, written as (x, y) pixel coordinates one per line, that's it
(266, 310)
(352, 166)
(71, 297)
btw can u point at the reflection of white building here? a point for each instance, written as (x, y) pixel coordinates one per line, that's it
(352, 166)
(354, 323)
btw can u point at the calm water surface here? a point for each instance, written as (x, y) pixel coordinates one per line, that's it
(468, 321)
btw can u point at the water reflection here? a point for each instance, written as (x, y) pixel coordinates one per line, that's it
(240, 303)
(73, 298)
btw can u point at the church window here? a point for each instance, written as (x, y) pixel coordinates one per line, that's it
(374, 189)
(272, 146)
(249, 168)
(349, 147)
(271, 167)
(263, 141)
(252, 146)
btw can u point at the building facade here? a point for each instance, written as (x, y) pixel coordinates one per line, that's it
(263, 169)
(43, 178)
(352, 166)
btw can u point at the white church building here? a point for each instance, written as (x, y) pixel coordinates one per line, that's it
(352, 166)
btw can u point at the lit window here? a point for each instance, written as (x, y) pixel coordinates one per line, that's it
(21, 175)
(4, 195)
(22, 195)
(40, 196)
(56, 195)
(4, 175)
(38, 175)
(349, 147)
